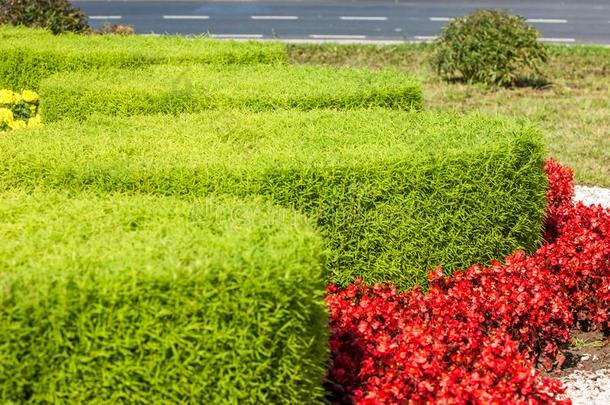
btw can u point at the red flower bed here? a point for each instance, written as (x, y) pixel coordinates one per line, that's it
(475, 336)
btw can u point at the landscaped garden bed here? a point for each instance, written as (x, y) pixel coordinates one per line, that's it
(476, 336)
(394, 193)
(167, 235)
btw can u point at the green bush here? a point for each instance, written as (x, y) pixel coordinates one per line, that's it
(394, 193)
(171, 90)
(55, 15)
(489, 46)
(16, 33)
(156, 300)
(30, 55)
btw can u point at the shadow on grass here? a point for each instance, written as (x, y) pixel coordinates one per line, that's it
(534, 83)
(524, 82)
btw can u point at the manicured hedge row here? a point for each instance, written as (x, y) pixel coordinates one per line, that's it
(8, 31)
(394, 193)
(29, 55)
(144, 299)
(168, 89)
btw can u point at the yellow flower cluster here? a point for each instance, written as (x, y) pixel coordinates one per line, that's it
(18, 110)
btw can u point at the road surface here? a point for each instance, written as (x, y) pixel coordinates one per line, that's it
(576, 21)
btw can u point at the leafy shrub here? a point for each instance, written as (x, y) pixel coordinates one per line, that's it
(165, 89)
(489, 46)
(394, 193)
(33, 54)
(474, 337)
(55, 15)
(145, 299)
(18, 110)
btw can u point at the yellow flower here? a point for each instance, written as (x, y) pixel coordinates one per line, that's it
(29, 96)
(35, 121)
(7, 97)
(17, 124)
(6, 116)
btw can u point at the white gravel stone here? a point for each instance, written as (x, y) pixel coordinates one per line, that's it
(588, 387)
(592, 195)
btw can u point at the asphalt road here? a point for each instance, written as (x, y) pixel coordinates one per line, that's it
(576, 21)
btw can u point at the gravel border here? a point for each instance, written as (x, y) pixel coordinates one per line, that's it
(589, 387)
(592, 195)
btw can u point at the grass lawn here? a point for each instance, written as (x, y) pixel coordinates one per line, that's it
(573, 110)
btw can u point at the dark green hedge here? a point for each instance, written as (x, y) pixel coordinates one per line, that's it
(394, 193)
(29, 55)
(170, 90)
(154, 300)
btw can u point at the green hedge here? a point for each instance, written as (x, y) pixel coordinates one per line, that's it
(154, 300)
(394, 193)
(13, 32)
(29, 55)
(171, 89)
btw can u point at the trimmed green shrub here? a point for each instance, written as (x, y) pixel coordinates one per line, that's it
(31, 55)
(489, 46)
(171, 90)
(55, 15)
(17, 32)
(154, 300)
(394, 193)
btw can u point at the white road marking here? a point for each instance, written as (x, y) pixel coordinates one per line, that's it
(359, 18)
(442, 18)
(557, 39)
(236, 35)
(274, 17)
(105, 17)
(320, 36)
(425, 37)
(340, 41)
(186, 17)
(546, 20)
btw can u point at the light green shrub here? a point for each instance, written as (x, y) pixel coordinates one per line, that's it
(394, 193)
(171, 90)
(156, 300)
(28, 55)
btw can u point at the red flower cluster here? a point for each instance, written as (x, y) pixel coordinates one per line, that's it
(577, 252)
(474, 337)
